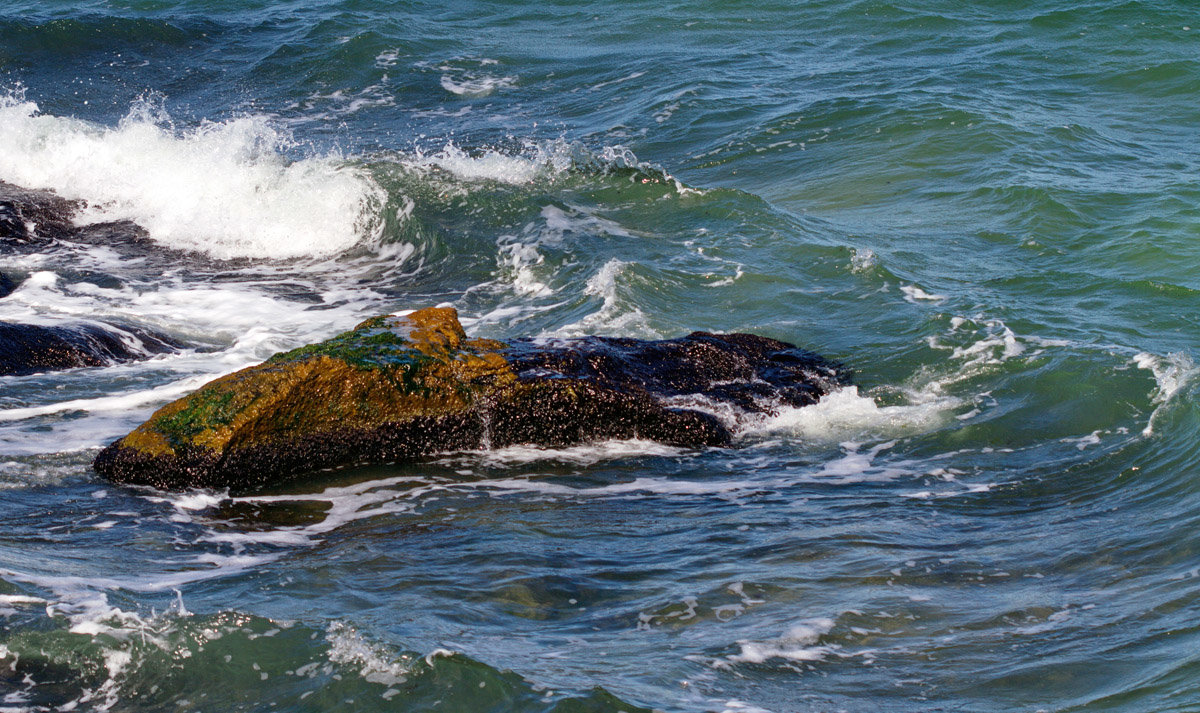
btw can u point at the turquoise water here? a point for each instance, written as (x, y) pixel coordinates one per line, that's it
(988, 212)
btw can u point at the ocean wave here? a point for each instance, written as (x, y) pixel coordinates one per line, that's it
(221, 188)
(87, 653)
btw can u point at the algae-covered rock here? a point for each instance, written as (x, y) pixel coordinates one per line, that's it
(401, 387)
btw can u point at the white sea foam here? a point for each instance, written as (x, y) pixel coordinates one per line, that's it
(198, 568)
(520, 261)
(616, 314)
(913, 294)
(118, 402)
(122, 637)
(223, 188)
(476, 85)
(799, 643)
(1171, 374)
(584, 454)
(976, 347)
(622, 80)
(374, 663)
(346, 504)
(998, 344)
(845, 414)
(387, 58)
(639, 487)
(520, 257)
(863, 260)
(340, 103)
(535, 161)
(736, 706)
(1084, 442)
(857, 466)
(559, 223)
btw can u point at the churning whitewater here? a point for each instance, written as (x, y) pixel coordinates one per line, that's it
(987, 214)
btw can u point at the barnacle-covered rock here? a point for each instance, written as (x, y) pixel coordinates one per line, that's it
(401, 387)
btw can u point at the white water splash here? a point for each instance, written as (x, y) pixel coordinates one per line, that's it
(536, 160)
(847, 414)
(221, 188)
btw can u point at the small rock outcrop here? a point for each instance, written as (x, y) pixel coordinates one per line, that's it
(33, 217)
(30, 215)
(31, 348)
(401, 387)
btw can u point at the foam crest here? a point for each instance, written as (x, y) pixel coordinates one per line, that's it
(1171, 374)
(535, 161)
(915, 294)
(845, 414)
(799, 643)
(476, 86)
(520, 259)
(985, 342)
(222, 188)
(532, 161)
(375, 664)
(616, 315)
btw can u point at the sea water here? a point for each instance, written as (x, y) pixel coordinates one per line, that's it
(989, 211)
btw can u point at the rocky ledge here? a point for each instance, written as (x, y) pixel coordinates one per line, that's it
(401, 387)
(35, 217)
(34, 348)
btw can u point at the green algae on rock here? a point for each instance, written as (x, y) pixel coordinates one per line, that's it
(401, 387)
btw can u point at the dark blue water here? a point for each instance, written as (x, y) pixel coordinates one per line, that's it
(988, 212)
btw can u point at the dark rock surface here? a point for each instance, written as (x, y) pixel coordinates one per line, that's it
(30, 348)
(34, 216)
(37, 217)
(7, 285)
(402, 387)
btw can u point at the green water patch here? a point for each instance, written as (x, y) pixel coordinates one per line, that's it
(238, 662)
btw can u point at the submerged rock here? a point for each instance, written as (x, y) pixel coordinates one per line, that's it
(31, 348)
(400, 387)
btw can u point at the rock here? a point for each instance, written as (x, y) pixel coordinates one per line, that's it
(29, 348)
(401, 387)
(28, 215)
(36, 217)
(7, 285)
